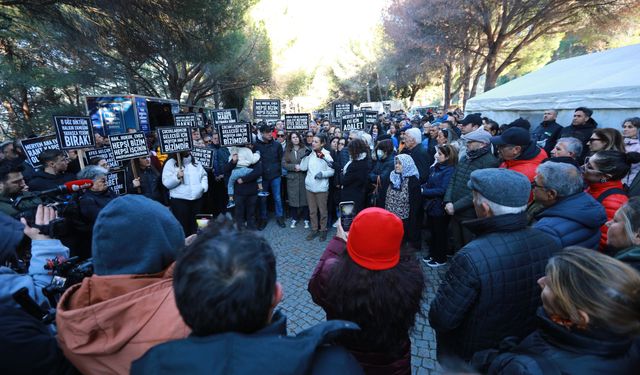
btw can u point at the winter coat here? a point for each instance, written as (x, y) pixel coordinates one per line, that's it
(271, 157)
(107, 322)
(433, 191)
(631, 256)
(42, 180)
(249, 185)
(194, 184)
(267, 351)
(91, 202)
(458, 192)
(150, 182)
(610, 203)
(382, 168)
(355, 184)
(490, 290)
(372, 362)
(313, 165)
(553, 348)
(527, 162)
(583, 133)
(546, 135)
(340, 159)
(633, 190)
(631, 145)
(296, 193)
(220, 159)
(29, 203)
(573, 221)
(422, 159)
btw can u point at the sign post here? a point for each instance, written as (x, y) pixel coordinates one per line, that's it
(237, 134)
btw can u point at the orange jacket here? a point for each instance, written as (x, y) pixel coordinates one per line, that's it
(107, 322)
(610, 203)
(526, 167)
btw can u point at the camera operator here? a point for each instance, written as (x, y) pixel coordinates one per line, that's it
(128, 305)
(53, 172)
(12, 186)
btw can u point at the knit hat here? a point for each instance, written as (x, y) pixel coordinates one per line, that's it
(514, 136)
(414, 133)
(375, 238)
(11, 233)
(473, 118)
(135, 235)
(478, 135)
(502, 186)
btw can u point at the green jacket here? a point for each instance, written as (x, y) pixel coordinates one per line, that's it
(631, 256)
(458, 192)
(29, 203)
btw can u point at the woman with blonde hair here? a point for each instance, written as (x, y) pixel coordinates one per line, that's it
(589, 317)
(606, 139)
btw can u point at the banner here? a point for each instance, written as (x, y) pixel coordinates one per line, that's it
(297, 121)
(105, 153)
(34, 146)
(128, 146)
(353, 121)
(74, 132)
(224, 116)
(117, 182)
(185, 119)
(264, 109)
(204, 156)
(174, 139)
(237, 134)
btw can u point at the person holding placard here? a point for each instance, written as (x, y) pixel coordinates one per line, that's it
(186, 183)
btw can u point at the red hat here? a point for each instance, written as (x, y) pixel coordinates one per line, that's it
(374, 239)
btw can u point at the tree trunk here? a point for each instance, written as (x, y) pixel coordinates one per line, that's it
(491, 73)
(217, 97)
(446, 80)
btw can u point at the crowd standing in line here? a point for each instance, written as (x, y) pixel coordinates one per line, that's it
(539, 228)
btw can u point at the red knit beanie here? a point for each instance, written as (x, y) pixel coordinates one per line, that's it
(374, 239)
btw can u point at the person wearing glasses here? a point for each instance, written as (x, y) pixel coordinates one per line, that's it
(308, 138)
(603, 172)
(606, 139)
(281, 137)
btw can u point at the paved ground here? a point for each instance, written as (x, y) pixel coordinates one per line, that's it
(296, 259)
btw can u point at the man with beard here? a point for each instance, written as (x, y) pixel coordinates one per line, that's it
(546, 135)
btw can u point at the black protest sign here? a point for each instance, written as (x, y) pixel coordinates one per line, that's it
(204, 156)
(186, 119)
(128, 146)
(175, 139)
(117, 182)
(34, 146)
(105, 153)
(370, 118)
(340, 109)
(264, 109)
(353, 121)
(225, 116)
(237, 134)
(297, 121)
(74, 132)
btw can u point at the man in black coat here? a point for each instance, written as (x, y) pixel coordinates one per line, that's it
(53, 172)
(271, 157)
(581, 127)
(490, 290)
(546, 135)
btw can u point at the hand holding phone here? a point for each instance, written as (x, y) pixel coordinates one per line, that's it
(347, 213)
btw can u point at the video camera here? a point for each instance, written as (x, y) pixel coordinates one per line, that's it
(66, 273)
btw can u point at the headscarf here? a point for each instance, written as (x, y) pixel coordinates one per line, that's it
(408, 169)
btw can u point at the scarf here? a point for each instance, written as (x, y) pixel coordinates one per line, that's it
(408, 169)
(474, 154)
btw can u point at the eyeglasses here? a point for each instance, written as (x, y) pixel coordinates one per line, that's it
(309, 136)
(280, 135)
(534, 185)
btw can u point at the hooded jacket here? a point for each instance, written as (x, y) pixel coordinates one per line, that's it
(573, 221)
(546, 135)
(106, 322)
(268, 351)
(42, 180)
(194, 184)
(610, 203)
(527, 162)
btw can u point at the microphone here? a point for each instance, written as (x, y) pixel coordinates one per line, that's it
(67, 187)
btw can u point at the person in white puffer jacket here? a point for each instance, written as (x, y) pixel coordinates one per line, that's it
(319, 167)
(186, 186)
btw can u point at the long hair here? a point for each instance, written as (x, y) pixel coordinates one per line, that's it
(289, 146)
(612, 138)
(383, 303)
(604, 288)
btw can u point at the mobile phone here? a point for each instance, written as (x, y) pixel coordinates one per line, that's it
(203, 220)
(346, 214)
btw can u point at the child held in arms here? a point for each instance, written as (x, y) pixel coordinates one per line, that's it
(245, 158)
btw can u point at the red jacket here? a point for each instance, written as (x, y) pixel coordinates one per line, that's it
(610, 203)
(527, 166)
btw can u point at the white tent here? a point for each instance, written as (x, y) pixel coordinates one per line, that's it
(607, 82)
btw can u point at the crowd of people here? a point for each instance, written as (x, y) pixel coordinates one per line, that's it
(539, 228)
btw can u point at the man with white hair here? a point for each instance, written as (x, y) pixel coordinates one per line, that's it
(490, 291)
(414, 148)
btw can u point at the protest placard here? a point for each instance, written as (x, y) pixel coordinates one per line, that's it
(297, 121)
(199, 119)
(204, 156)
(128, 146)
(224, 116)
(340, 109)
(117, 182)
(185, 119)
(370, 118)
(235, 134)
(74, 132)
(353, 121)
(105, 153)
(264, 109)
(34, 146)
(174, 139)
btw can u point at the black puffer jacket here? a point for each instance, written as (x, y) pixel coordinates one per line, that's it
(271, 157)
(458, 192)
(355, 184)
(490, 290)
(382, 168)
(553, 348)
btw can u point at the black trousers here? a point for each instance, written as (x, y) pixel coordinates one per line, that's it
(439, 242)
(185, 211)
(245, 211)
(299, 213)
(218, 197)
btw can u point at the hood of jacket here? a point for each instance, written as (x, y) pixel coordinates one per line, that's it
(581, 208)
(104, 314)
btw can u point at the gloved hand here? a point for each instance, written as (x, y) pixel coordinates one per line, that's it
(318, 176)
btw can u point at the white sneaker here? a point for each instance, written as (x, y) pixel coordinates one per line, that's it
(293, 224)
(306, 224)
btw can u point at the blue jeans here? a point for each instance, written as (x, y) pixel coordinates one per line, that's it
(273, 187)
